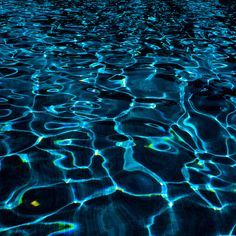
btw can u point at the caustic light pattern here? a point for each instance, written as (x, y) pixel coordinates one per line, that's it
(117, 117)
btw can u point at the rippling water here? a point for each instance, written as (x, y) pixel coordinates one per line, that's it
(117, 117)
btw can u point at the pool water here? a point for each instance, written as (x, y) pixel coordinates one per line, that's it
(117, 117)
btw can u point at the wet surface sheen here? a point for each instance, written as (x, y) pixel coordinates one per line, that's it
(117, 117)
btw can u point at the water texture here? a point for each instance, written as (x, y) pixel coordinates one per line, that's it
(117, 117)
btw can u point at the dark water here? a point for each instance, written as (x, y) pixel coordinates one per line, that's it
(117, 117)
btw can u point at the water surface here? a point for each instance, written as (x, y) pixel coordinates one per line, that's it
(117, 117)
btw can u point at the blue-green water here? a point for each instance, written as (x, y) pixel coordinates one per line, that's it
(117, 117)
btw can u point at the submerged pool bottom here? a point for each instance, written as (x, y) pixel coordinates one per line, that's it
(117, 118)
